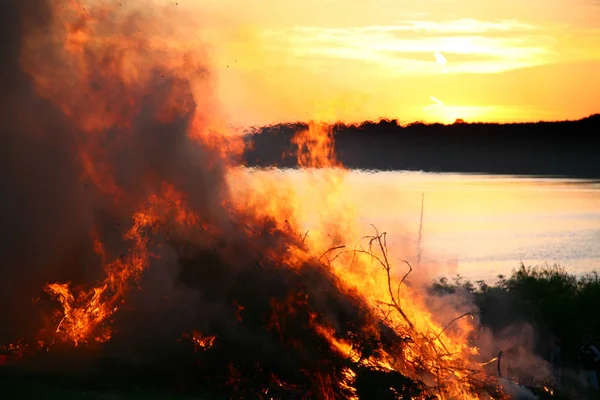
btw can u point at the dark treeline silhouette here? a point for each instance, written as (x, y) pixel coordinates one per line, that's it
(568, 148)
(556, 304)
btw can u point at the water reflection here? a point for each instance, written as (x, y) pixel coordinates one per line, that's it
(475, 225)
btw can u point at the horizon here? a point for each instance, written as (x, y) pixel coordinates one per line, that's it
(251, 130)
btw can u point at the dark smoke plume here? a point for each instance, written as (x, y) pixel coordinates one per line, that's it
(44, 206)
(48, 211)
(47, 208)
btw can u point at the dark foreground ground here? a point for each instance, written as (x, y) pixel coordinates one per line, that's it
(565, 149)
(48, 387)
(546, 302)
(93, 374)
(27, 385)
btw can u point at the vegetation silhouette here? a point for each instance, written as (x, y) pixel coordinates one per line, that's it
(566, 148)
(558, 305)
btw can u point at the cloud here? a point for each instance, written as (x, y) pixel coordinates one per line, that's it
(462, 26)
(470, 45)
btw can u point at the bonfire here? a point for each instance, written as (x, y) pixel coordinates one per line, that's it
(272, 311)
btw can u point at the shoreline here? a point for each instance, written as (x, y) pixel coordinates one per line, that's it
(550, 149)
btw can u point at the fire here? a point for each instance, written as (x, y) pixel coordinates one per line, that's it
(136, 93)
(86, 311)
(315, 147)
(199, 341)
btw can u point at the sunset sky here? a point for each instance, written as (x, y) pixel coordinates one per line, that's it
(432, 60)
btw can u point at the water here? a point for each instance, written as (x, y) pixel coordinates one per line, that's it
(478, 226)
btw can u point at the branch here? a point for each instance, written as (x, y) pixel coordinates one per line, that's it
(404, 277)
(410, 269)
(356, 251)
(499, 363)
(305, 235)
(380, 241)
(330, 250)
(468, 314)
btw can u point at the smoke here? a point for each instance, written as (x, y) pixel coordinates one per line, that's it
(517, 340)
(107, 118)
(44, 207)
(108, 111)
(89, 134)
(516, 391)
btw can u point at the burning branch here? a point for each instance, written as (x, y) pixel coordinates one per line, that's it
(380, 241)
(468, 314)
(324, 255)
(425, 350)
(305, 236)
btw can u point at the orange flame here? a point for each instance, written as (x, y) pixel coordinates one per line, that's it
(146, 63)
(86, 311)
(199, 341)
(315, 146)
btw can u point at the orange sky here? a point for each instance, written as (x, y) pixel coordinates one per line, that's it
(432, 60)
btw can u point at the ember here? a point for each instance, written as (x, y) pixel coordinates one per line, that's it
(266, 310)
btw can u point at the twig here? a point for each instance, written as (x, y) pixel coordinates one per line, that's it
(468, 314)
(305, 235)
(385, 314)
(404, 277)
(355, 251)
(483, 364)
(499, 363)
(380, 241)
(330, 250)
(410, 269)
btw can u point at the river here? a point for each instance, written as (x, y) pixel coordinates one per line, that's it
(478, 226)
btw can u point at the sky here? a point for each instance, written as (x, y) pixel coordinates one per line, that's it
(412, 60)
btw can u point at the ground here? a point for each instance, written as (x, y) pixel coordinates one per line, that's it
(40, 388)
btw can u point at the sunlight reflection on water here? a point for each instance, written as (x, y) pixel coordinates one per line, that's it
(476, 225)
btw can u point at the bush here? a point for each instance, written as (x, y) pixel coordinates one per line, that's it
(556, 303)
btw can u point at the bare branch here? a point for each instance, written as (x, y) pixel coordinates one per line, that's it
(305, 235)
(375, 229)
(410, 269)
(404, 277)
(330, 250)
(468, 314)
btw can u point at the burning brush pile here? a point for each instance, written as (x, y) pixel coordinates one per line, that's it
(144, 252)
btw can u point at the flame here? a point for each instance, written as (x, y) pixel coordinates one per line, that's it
(86, 311)
(315, 146)
(199, 341)
(105, 76)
